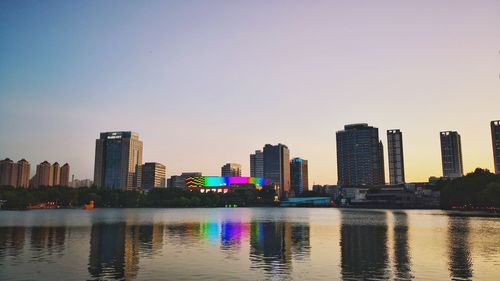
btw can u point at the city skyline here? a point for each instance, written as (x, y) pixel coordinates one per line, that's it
(75, 72)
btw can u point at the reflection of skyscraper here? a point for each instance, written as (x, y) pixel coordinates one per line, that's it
(363, 242)
(301, 245)
(151, 238)
(113, 251)
(401, 252)
(11, 240)
(48, 239)
(459, 249)
(118, 160)
(270, 247)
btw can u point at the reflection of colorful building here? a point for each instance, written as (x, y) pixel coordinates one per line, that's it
(224, 184)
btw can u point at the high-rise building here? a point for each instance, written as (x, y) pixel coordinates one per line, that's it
(299, 179)
(359, 156)
(180, 181)
(56, 174)
(257, 164)
(231, 170)
(8, 173)
(65, 175)
(118, 159)
(153, 175)
(396, 160)
(23, 173)
(44, 174)
(495, 137)
(451, 154)
(277, 167)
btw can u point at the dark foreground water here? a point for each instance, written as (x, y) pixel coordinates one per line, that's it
(247, 244)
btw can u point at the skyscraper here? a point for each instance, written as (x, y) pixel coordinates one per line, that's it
(56, 174)
(359, 156)
(8, 173)
(495, 137)
(451, 154)
(277, 167)
(23, 173)
(257, 164)
(44, 174)
(65, 175)
(153, 175)
(118, 158)
(396, 160)
(231, 170)
(299, 179)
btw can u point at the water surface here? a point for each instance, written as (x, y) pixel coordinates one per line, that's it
(247, 244)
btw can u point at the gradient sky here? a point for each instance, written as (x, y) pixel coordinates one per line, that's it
(208, 82)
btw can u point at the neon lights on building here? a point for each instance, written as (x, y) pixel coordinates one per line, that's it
(204, 182)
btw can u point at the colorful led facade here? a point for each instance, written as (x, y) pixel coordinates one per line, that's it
(217, 182)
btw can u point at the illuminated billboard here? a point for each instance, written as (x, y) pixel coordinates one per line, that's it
(210, 181)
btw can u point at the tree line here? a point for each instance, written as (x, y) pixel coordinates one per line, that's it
(480, 188)
(67, 197)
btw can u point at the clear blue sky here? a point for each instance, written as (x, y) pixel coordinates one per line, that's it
(208, 82)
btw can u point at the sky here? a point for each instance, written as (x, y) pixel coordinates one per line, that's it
(209, 82)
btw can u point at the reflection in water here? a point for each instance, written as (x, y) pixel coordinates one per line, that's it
(11, 241)
(256, 249)
(402, 259)
(113, 251)
(273, 245)
(460, 263)
(47, 240)
(363, 242)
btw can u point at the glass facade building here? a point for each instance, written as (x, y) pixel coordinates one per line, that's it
(257, 164)
(396, 159)
(451, 155)
(495, 136)
(277, 167)
(360, 158)
(299, 179)
(118, 160)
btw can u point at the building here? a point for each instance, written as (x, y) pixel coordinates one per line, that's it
(180, 181)
(451, 154)
(224, 184)
(65, 175)
(359, 156)
(23, 173)
(277, 167)
(118, 159)
(257, 164)
(43, 176)
(153, 175)
(231, 170)
(396, 159)
(76, 183)
(495, 137)
(8, 173)
(56, 174)
(299, 181)
(307, 202)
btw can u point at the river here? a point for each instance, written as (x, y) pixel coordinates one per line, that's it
(248, 244)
